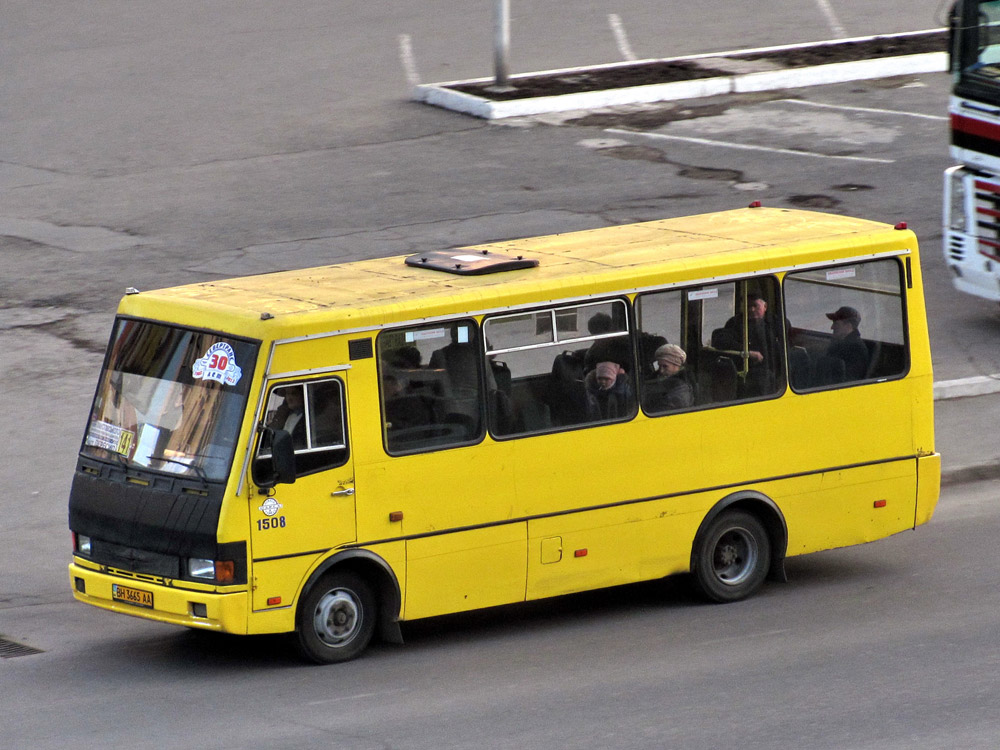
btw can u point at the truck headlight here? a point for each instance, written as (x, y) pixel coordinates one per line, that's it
(955, 200)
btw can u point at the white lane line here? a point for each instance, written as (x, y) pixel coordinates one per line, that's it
(747, 147)
(356, 696)
(831, 18)
(621, 38)
(408, 61)
(864, 109)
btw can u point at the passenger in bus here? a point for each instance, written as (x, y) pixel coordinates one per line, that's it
(763, 345)
(404, 410)
(328, 427)
(405, 358)
(671, 389)
(847, 354)
(609, 392)
(605, 350)
(290, 415)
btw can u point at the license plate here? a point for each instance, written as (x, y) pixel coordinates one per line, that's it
(129, 595)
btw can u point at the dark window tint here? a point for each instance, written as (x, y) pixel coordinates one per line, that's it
(432, 386)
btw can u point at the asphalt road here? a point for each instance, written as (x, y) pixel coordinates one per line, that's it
(889, 645)
(148, 144)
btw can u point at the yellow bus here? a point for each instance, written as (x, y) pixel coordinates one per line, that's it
(333, 451)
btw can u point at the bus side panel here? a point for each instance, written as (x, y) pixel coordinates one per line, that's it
(610, 546)
(280, 580)
(851, 506)
(296, 572)
(456, 510)
(465, 570)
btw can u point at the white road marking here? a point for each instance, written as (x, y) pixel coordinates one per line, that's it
(356, 696)
(621, 38)
(864, 109)
(747, 146)
(408, 61)
(831, 18)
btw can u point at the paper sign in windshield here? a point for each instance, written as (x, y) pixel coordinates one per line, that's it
(111, 437)
(219, 364)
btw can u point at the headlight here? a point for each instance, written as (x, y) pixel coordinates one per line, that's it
(83, 544)
(200, 568)
(955, 203)
(219, 571)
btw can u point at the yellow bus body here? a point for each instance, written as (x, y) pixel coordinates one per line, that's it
(508, 519)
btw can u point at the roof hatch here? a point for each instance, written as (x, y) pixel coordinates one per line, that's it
(467, 262)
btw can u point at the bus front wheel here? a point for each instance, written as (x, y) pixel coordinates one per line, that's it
(337, 618)
(732, 557)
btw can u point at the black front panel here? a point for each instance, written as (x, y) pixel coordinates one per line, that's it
(168, 521)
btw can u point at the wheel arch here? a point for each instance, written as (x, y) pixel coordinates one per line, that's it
(376, 571)
(766, 511)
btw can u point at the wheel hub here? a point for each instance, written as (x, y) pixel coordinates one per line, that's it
(735, 556)
(337, 618)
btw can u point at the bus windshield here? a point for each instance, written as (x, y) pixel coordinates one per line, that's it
(170, 400)
(979, 40)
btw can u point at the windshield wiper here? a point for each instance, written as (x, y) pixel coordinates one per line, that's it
(197, 469)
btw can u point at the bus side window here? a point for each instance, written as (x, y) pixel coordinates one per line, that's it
(313, 414)
(553, 360)
(431, 380)
(710, 345)
(846, 324)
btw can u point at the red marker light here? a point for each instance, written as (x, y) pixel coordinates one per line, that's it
(755, 204)
(272, 601)
(900, 225)
(580, 553)
(880, 503)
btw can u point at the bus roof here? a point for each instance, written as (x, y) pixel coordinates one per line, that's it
(571, 265)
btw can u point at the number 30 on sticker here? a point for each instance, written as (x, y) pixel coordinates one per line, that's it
(264, 524)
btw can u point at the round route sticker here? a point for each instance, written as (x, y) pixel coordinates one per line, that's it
(219, 364)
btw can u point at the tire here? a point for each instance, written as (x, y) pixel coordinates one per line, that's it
(336, 620)
(732, 557)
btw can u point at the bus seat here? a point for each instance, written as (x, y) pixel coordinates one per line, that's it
(461, 365)
(799, 367)
(501, 374)
(724, 379)
(412, 410)
(565, 395)
(874, 358)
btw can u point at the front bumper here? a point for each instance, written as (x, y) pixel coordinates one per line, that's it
(194, 608)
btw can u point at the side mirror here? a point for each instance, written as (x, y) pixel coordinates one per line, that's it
(279, 467)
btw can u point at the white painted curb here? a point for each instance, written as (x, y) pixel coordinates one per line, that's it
(441, 95)
(982, 385)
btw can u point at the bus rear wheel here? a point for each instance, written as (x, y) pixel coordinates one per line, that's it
(733, 557)
(337, 618)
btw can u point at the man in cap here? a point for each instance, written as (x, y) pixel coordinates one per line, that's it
(847, 345)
